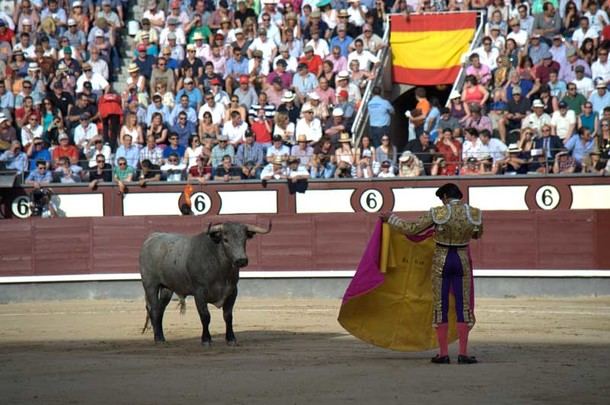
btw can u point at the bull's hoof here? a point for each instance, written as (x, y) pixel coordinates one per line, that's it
(232, 343)
(206, 343)
(160, 341)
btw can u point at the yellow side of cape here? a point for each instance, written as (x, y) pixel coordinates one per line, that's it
(397, 315)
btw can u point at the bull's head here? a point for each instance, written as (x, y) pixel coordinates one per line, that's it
(233, 238)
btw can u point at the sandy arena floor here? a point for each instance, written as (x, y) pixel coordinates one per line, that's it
(295, 352)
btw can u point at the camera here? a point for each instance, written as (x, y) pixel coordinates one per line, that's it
(39, 200)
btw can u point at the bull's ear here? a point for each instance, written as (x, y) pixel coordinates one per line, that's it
(216, 236)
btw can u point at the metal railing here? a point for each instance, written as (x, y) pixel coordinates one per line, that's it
(360, 122)
(476, 41)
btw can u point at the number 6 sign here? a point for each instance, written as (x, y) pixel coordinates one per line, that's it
(371, 200)
(547, 197)
(200, 203)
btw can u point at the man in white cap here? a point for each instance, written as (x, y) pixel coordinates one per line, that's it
(76, 37)
(538, 118)
(308, 125)
(336, 125)
(343, 83)
(600, 98)
(320, 110)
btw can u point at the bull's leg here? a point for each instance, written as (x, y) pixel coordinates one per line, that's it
(204, 315)
(227, 314)
(155, 312)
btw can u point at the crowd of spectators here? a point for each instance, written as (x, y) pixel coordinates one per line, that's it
(227, 90)
(535, 97)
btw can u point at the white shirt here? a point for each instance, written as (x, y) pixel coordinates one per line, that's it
(355, 17)
(488, 59)
(519, 37)
(579, 35)
(99, 66)
(596, 20)
(98, 83)
(320, 47)
(291, 63)
(366, 59)
(83, 135)
(266, 48)
(495, 148)
(471, 149)
(599, 69)
(536, 122)
(562, 123)
(218, 112)
(28, 134)
(235, 133)
(584, 86)
(313, 129)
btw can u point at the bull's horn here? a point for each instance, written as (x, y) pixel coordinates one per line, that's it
(214, 228)
(258, 229)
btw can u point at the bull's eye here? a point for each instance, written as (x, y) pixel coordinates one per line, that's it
(225, 240)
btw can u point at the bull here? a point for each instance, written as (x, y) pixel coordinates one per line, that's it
(205, 266)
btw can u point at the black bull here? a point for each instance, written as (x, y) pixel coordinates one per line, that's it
(205, 266)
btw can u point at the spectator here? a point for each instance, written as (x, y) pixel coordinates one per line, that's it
(226, 171)
(492, 146)
(580, 145)
(386, 170)
(42, 174)
(128, 151)
(563, 122)
(303, 151)
(588, 118)
(148, 172)
(387, 151)
(67, 173)
(173, 169)
(476, 119)
(122, 173)
(323, 161)
(84, 133)
(184, 129)
(14, 158)
(380, 116)
(549, 144)
(97, 147)
(600, 98)
(274, 170)
(222, 149)
(537, 118)
(409, 165)
(99, 172)
(202, 171)
(573, 99)
(564, 164)
(308, 125)
(296, 171)
(252, 152)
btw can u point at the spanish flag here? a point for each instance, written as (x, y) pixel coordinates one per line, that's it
(427, 49)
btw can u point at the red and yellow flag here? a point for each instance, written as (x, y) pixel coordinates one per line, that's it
(427, 49)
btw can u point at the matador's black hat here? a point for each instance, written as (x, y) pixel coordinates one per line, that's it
(449, 190)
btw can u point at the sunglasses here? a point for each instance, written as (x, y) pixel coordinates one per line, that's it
(122, 164)
(100, 161)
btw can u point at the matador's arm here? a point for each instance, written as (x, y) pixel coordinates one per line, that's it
(411, 227)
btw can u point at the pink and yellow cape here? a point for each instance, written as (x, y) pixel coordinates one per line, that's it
(389, 301)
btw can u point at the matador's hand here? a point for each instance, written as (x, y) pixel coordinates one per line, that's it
(385, 216)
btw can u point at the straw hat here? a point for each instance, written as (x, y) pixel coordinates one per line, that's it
(277, 160)
(133, 68)
(344, 137)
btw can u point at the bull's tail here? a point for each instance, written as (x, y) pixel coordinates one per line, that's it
(146, 322)
(181, 307)
(182, 304)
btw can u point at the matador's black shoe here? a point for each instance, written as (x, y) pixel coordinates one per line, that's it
(440, 359)
(467, 359)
